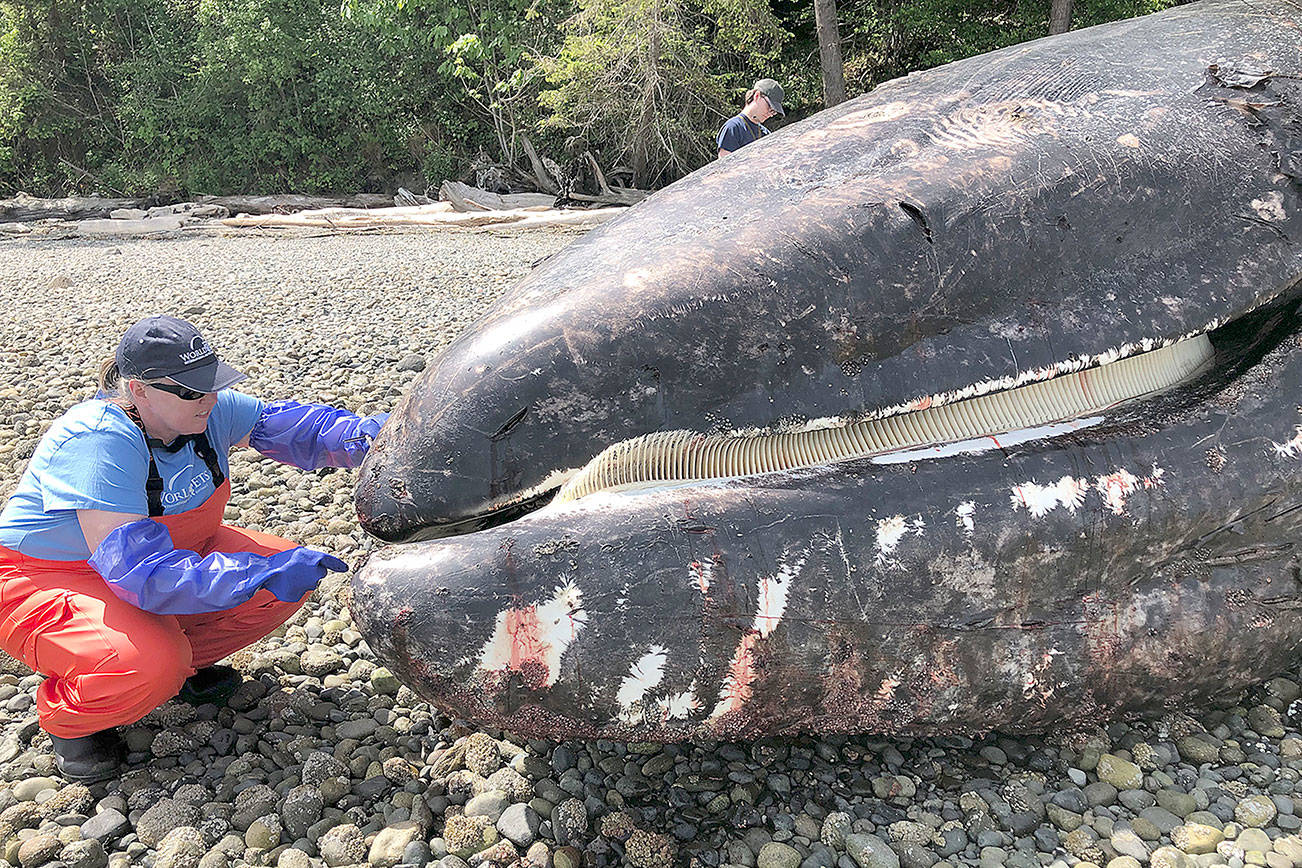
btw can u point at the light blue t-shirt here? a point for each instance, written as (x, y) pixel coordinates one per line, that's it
(95, 457)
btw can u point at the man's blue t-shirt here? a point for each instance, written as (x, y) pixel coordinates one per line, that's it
(739, 131)
(95, 457)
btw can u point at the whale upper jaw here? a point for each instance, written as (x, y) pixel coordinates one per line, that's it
(958, 230)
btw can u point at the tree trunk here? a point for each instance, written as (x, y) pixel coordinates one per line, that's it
(1060, 16)
(829, 52)
(646, 121)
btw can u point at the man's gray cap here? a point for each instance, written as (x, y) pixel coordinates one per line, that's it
(773, 93)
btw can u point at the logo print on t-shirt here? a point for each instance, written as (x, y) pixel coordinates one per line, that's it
(173, 496)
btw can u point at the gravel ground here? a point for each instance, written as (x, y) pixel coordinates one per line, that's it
(323, 758)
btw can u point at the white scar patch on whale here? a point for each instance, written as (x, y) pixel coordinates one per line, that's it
(1270, 206)
(701, 573)
(1120, 484)
(889, 533)
(1114, 487)
(1290, 448)
(536, 635)
(1040, 500)
(643, 676)
(680, 705)
(1069, 491)
(773, 598)
(769, 608)
(963, 517)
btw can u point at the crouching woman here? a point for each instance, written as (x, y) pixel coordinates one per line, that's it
(118, 580)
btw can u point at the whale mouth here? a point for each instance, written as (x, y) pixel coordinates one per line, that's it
(1037, 404)
(1032, 405)
(673, 457)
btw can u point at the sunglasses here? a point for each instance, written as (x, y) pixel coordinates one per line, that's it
(179, 391)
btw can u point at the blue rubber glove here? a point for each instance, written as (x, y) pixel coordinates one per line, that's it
(142, 567)
(298, 571)
(310, 436)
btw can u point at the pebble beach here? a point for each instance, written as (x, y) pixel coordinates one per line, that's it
(323, 758)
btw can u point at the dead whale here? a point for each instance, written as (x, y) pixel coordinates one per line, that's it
(968, 404)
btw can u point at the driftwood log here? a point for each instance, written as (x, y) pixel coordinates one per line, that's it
(440, 214)
(466, 198)
(545, 181)
(23, 208)
(608, 194)
(291, 202)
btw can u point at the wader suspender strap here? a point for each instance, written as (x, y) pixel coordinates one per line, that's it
(154, 484)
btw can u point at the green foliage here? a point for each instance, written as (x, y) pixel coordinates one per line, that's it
(885, 39)
(212, 96)
(221, 96)
(484, 53)
(644, 80)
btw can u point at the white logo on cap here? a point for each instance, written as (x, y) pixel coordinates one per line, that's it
(199, 349)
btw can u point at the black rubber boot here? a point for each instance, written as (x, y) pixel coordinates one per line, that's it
(95, 757)
(211, 684)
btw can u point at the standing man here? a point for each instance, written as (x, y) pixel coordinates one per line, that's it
(763, 101)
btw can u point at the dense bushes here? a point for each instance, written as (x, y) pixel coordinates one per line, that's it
(228, 95)
(195, 96)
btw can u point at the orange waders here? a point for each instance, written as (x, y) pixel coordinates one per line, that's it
(108, 663)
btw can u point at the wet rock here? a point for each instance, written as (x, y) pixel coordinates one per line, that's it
(38, 850)
(1253, 839)
(294, 858)
(264, 833)
(1170, 857)
(411, 362)
(836, 826)
(27, 790)
(467, 835)
(1126, 843)
(302, 808)
(483, 756)
(570, 821)
(1196, 750)
(488, 804)
(320, 660)
(106, 826)
(252, 803)
(649, 850)
(1266, 721)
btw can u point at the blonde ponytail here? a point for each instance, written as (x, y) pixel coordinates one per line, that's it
(111, 385)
